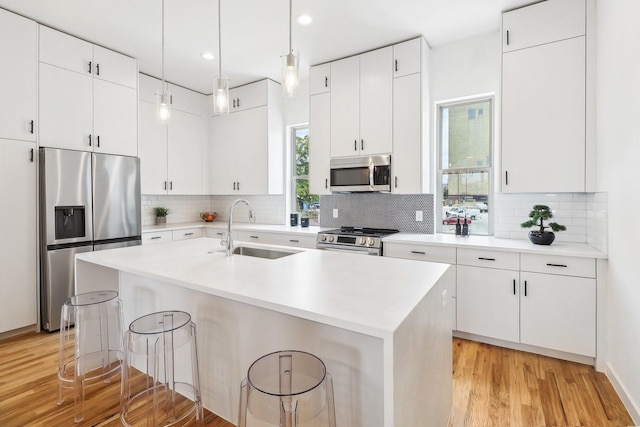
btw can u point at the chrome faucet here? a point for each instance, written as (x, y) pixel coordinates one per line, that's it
(228, 242)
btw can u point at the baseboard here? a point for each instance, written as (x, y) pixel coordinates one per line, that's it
(629, 404)
(16, 332)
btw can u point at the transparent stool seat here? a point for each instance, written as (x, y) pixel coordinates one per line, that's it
(90, 350)
(287, 389)
(160, 382)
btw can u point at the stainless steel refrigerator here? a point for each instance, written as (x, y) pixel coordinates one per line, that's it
(88, 201)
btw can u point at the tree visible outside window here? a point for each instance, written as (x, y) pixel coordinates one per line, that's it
(304, 202)
(465, 176)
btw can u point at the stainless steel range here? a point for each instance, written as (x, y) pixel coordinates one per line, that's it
(367, 241)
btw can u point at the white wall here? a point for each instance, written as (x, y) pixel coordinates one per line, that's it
(618, 146)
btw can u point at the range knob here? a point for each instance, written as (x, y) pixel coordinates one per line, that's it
(324, 238)
(330, 238)
(363, 240)
(370, 241)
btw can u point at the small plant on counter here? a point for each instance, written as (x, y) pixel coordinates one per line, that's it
(538, 215)
(161, 215)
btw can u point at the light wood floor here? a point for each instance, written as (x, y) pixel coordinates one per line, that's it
(492, 387)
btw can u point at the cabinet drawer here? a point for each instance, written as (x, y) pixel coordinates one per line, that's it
(489, 258)
(187, 233)
(561, 265)
(255, 236)
(300, 241)
(156, 237)
(216, 233)
(419, 252)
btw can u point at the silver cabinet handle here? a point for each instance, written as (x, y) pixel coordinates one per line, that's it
(155, 237)
(418, 252)
(188, 234)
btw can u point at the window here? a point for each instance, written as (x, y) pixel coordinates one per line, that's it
(303, 202)
(465, 178)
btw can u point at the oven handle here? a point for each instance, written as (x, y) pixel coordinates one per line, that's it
(356, 250)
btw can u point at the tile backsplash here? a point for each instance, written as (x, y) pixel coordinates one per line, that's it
(584, 215)
(382, 210)
(181, 208)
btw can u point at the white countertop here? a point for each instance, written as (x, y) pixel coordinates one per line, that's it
(494, 243)
(365, 294)
(274, 228)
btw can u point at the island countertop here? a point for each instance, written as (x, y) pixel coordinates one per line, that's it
(365, 294)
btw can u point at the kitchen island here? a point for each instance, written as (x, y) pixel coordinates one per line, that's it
(382, 326)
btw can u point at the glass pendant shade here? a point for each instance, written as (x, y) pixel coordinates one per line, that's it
(221, 94)
(163, 107)
(290, 80)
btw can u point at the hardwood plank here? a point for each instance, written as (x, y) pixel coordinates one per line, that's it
(492, 386)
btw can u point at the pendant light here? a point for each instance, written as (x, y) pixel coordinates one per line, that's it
(220, 81)
(163, 97)
(290, 81)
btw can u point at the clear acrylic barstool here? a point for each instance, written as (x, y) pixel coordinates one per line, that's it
(90, 350)
(287, 389)
(160, 380)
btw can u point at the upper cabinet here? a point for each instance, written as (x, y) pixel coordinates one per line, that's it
(18, 77)
(88, 96)
(245, 152)
(361, 104)
(373, 103)
(546, 84)
(171, 155)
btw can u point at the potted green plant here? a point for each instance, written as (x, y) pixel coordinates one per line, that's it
(538, 215)
(161, 215)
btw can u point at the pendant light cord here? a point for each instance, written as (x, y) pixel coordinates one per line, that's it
(163, 46)
(219, 41)
(290, 14)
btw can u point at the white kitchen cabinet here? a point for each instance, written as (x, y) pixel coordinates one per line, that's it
(187, 136)
(361, 104)
(558, 312)
(421, 252)
(319, 143)
(274, 238)
(407, 58)
(186, 233)
(248, 96)
(320, 79)
(216, 233)
(18, 247)
(546, 81)
(245, 153)
(18, 77)
(154, 237)
(488, 302)
(407, 135)
(184, 100)
(153, 151)
(87, 96)
(543, 22)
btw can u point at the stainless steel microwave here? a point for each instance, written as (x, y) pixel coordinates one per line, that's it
(365, 173)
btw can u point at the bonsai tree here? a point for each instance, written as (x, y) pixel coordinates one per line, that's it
(538, 215)
(161, 212)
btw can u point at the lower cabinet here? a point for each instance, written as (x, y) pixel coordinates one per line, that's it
(283, 239)
(18, 246)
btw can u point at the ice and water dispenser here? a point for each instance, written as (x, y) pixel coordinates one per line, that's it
(69, 222)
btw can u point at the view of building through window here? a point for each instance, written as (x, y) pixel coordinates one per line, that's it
(306, 204)
(464, 181)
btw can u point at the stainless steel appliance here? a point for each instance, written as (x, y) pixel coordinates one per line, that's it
(365, 173)
(366, 241)
(88, 201)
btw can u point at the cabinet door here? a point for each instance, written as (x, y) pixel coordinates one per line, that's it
(319, 143)
(407, 135)
(558, 312)
(345, 107)
(376, 101)
(153, 151)
(115, 118)
(18, 246)
(147, 88)
(319, 79)
(65, 51)
(18, 77)
(249, 96)
(65, 108)
(115, 67)
(488, 302)
(222, 155)
(406, 58)
(543, 22)
(186, 137)
(543, 118)
(252, 151)
(186, 100)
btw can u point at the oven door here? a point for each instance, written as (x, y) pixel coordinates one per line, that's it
(348, 249)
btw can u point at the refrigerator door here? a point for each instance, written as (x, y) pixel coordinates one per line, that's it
(116, 197)
(58, 283)
(65, 192)
(122, 243)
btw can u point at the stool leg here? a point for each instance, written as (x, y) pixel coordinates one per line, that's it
(169, 379)
(78, 398)
(244, 392)
(196, 377)
(331, 408)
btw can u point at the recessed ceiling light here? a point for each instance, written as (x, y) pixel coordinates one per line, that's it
(207, 55)
(304, 19)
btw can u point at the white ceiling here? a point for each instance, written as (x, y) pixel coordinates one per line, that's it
(255, 32)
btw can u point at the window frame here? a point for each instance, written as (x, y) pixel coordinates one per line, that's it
(293, 206)
(490, 169)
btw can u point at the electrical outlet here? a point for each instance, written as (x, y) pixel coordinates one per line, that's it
(418, 216)
(335, 213)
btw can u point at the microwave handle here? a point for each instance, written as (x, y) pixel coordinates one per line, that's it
(371, 169)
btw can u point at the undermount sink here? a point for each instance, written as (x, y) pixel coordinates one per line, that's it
(261, 253)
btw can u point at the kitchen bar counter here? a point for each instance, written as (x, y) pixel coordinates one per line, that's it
(382, 326)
